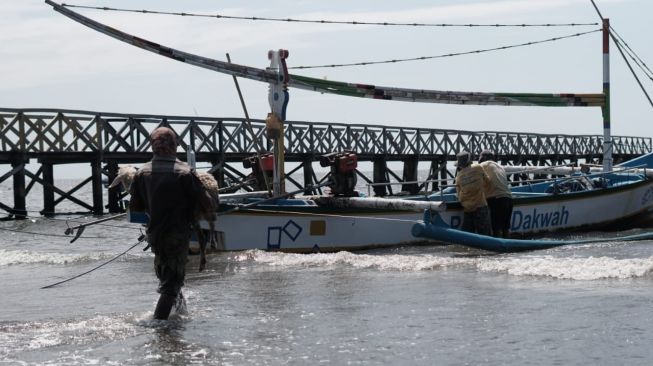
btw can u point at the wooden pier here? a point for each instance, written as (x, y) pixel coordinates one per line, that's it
(105, 140)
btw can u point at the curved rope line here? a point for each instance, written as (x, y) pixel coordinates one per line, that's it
(321, 21)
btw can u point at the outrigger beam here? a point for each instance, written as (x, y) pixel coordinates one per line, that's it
(345, 88)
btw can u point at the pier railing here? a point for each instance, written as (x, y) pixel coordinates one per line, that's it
(104, 140)
(40, 131)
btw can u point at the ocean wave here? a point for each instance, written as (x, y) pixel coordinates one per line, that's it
(13, 257)
(382, 262)
(576, 268)
(589, 268)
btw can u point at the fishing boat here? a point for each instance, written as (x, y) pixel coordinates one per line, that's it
(327, 223)
(281, 221)
(333, 223)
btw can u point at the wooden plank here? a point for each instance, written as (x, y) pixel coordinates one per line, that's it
(115, 138)
(32, 181)
(10, 173)
(59, 191)
(44, 129)
(79, 133)
(206, 139)
(7, 208)
(6, 140)
(3, 135)
(72, 190)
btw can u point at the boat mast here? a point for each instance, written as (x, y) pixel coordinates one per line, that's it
(605, 109)
(278, 98)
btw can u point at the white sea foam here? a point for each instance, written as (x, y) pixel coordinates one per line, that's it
(40, 335)
(11, 257)
(588, 268)
(395, 262)
(576, 268)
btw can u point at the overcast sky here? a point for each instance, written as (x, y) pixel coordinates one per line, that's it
(47, 60)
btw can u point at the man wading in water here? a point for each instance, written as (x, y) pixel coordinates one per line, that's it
(167, 190)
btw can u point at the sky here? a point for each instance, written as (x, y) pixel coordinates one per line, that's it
(50, 61)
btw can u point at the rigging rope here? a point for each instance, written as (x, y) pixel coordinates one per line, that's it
(631, 70)
(366, 63)
(78, 220)
(93, 269)
(353, 22)
(614, 38)
(51, 235)
(642, 65)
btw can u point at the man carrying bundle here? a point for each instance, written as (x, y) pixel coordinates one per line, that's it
(471, 181)
(167, 190)
(498, 194)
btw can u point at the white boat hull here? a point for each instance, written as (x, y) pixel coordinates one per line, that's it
(314, 228)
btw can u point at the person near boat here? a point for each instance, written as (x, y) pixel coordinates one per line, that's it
(170, 194)
(471, 182)
(497, 194)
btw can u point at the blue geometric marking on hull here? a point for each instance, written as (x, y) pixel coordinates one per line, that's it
(274, 237)
(292, 225)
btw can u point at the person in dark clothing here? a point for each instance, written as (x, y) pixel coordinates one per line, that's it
(171, 195)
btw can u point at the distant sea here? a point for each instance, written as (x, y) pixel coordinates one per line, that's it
(426, 305)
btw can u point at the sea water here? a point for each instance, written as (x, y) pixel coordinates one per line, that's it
(418, 305)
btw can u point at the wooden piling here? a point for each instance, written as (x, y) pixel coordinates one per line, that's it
(20, 208)
(96, 183)
(48, 189)
(433, 175)
(380, 175)
(410, 175)
(443, 171)
(308, 173)
(113, 194)
(217, 170)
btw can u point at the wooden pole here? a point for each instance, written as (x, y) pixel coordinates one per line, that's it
(308, 173)
(607, 138)
(96, 182)
(113, 193)
(48, 191)
(380, 175)
(20, 211)
(410, 175)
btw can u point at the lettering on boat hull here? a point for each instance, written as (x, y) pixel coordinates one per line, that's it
(527, 220)
(647, 197)
(533, 220)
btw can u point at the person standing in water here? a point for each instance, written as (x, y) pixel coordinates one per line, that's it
(170, 194)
